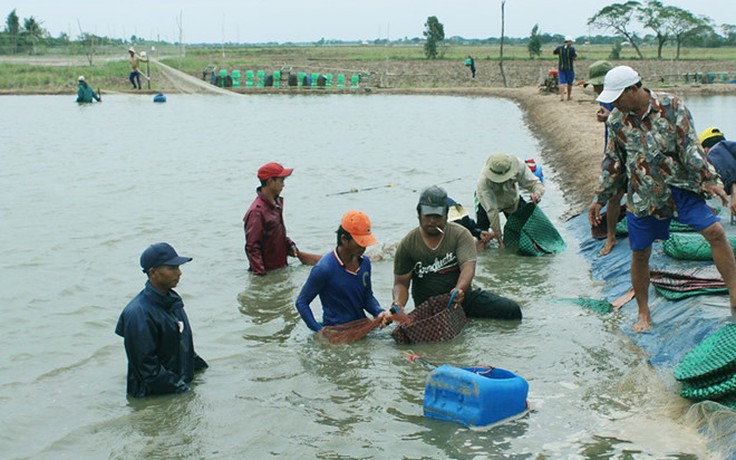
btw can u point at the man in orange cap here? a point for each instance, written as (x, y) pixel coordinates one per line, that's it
(266, 242)
(342, 278)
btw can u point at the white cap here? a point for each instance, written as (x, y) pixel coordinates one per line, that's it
(81, 78)
(616, 81)
(568, 38)
(131, 50)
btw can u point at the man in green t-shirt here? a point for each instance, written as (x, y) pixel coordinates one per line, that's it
(438, 257)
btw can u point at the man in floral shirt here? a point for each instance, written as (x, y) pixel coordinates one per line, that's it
(653, 154)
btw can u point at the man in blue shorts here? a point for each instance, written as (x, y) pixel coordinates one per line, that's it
(653, 153)
(566, 56)
(342, 278)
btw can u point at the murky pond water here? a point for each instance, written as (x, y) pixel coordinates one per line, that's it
(86, 189)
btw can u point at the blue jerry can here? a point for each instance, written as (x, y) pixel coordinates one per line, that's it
(474, 396)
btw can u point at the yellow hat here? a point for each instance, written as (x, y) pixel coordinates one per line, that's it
(712, 133)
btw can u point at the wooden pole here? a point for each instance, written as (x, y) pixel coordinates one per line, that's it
(500, 60)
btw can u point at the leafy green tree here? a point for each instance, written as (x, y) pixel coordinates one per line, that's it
(655, 16)
(33, 32)
(434, 32)
(729, 32)
(615, 52)
(12, 27)
(684, 25)
(618, 17)
(535, 43)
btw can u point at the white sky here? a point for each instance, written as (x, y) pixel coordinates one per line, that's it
(251, 21)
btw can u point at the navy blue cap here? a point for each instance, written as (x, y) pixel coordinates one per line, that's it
(161, 254)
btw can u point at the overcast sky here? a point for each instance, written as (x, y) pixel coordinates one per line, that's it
(253, 21)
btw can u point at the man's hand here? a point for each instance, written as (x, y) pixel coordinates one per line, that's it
(602, 114)
(594, 214)
(536, 198)
(385, 318)
(486, 236)
(717, 190)
(459, 297)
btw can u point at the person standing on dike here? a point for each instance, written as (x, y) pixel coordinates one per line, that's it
(135, 60)
(666, 178)
(566, 57)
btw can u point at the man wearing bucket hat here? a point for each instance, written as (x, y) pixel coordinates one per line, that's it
(266, 242)
(498, 189)
(666, 177)
(438, 257)
(85, 94)
(722, 155)
(566, 57)
(158, 339)
(342, 278)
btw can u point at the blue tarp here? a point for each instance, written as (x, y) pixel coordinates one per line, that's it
(678, 326)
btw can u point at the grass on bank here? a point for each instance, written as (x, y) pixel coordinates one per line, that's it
(106, 72)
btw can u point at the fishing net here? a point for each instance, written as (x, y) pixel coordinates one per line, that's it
(680, 284)
(713, 388)
(600, 231)
(596, 305)
(716, 355)
(691, 246)
(349, 332)
(529, 232)
(708, 371)
(435, 320)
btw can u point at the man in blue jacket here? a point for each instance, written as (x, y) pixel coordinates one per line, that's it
(342, 278)
(158, 338)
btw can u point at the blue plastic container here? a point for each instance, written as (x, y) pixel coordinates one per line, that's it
(160, 97)
(474, 396)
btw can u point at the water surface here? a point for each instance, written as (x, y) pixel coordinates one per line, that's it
(86, 188)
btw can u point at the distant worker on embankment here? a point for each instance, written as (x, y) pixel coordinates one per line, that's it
(566, 56)
(135, 67)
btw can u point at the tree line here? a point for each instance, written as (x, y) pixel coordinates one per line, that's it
(666, 24)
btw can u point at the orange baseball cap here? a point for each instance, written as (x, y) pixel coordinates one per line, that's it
(270, 170)
(359, 226)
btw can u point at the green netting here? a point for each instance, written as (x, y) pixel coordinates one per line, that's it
(529, 232)
(715, 391)
(728, 401)
(678, 295)
(716, 355)
(690, 246)
(600, 306)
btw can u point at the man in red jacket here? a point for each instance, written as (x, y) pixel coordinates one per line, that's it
(266, 242)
